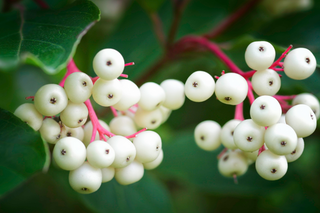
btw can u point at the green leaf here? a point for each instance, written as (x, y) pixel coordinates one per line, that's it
(22, 152)
(54, 193)
(147, 195)
(45, 38)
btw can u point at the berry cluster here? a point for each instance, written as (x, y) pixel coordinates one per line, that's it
(273, 136)
(95, 152)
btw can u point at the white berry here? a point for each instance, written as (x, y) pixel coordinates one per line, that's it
(260, 55)
(129, 174)
(299, 64)
(231, 88)
(199, 86)
(207, 135)
(86, 179)
(29, 114)
(69, 153)
(50, 99)
(100, 154)
(271, 166)
(108, 64)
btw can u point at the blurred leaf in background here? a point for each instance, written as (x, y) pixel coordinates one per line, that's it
(188, 179)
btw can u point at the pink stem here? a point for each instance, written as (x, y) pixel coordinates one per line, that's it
(214, 49)
(278, 69)
(284, 97)
(235, 179)
(135, 134)
(71, 68)
(248, 74)
(250, 92)
(30, 97)
(124, 75)
(277, 62)
(222, 152)
(238, 115)
(131, 110)
(96, 126)
(114, 111)
(261, 149)
(129, 64)
(94, 79)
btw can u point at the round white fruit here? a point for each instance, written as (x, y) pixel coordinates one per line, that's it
(155, 163)
(148, 146)
(302, 119)
(207, 135)
(86, 179)
(174, 90)
(78, 87)
(281, 139)
(310, 100)
(148, 119)
(29, 114)
(129, 174)
(74, 115)
(69, 153)
(199, 86)
(108, 64)
(50, 99)
(295, 154)
(260, 55)
(51, 131)
(299, 64)
(265, 110)
(226, 134)
(130, 95)
(122, 125)
(107, 174)
(248, 136)
(107, 93)
(152, 96)
(231, 88)
(100, 154)
(271, 166)
(125, 151)
(232, 163)
(266, 82)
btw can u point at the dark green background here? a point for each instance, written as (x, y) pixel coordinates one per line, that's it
(188, 179)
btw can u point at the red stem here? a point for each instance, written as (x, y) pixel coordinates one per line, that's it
(250, 92)
(30, 97)
(71, 68)
(96, 126)
(222, 152)
(238, 115)
(284, 97)
(129, 64)
(261, 149)
(114, 111)
(277, 62)
(248, 74)
(135, 134)
(214, 49)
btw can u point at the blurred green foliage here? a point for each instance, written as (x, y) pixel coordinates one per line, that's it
(188, 179)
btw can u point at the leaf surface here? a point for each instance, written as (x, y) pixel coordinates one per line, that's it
(22, 152)
(46, 38)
